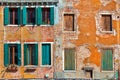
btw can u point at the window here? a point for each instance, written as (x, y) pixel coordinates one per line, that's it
(69, 22)
(107, 60)
(48, 16)
(31, 16)
(69, 59)
(30, 54)
(107, 22)
(11, 16)
(46, 54)
(12, 54)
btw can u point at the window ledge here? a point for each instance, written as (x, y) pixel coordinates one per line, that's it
(69, 31)
(108, 71)
(46, 65)
(30, 25)
(13, 25)
(46, 25)
(69, 71)
(31, 66)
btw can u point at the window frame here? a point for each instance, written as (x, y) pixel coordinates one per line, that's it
(30, 66)
(75, 26)
(54, 16)
(110, 22)
(51, 43)
(15, 43)
(107, 48)
(9, 15)
(64, 60)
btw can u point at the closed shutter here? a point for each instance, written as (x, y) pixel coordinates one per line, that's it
(24, 16)
(19, 16)
(6, 55)
(36, 54)
(46, 54)
(6, 15)
(107, 60)
(69, 61)
(107, 22)
(39, 16)
(52, 16)
(43, 55)
(19, 54)
(25, 54)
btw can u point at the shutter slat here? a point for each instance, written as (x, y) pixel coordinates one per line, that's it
(6, 16)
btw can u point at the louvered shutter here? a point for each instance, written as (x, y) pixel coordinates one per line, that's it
(6, 16)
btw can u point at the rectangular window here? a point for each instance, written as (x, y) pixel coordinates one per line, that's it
(46, 54)
(12, 54)
(45, 15)
(107, 60)
(31, 16)
(107, 22)
(69, 22)
(30, 54)
(69, 59)
(13, 16)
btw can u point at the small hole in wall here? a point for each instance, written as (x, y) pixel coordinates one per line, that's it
(118, 17)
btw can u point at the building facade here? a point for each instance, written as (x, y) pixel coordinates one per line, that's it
(59, 39)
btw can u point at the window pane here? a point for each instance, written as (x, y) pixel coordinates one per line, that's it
(45, 15)
(13, 15)
(69, 59)
(68, 22)
(13, 51)
(31, 15)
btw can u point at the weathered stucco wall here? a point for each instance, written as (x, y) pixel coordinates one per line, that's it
(87, 39)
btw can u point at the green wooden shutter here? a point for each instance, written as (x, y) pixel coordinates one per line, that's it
(39, 16)
(19, 54)
(6, 15)
(110, 60)
(24, 16)
(25, 54)
(43, 55)
(107, 60)
(6, 55)
(66, 60)
(72, 53)
(52, 16)
(69, 61)
(36, 54)
(19, 16)
(48, 54)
